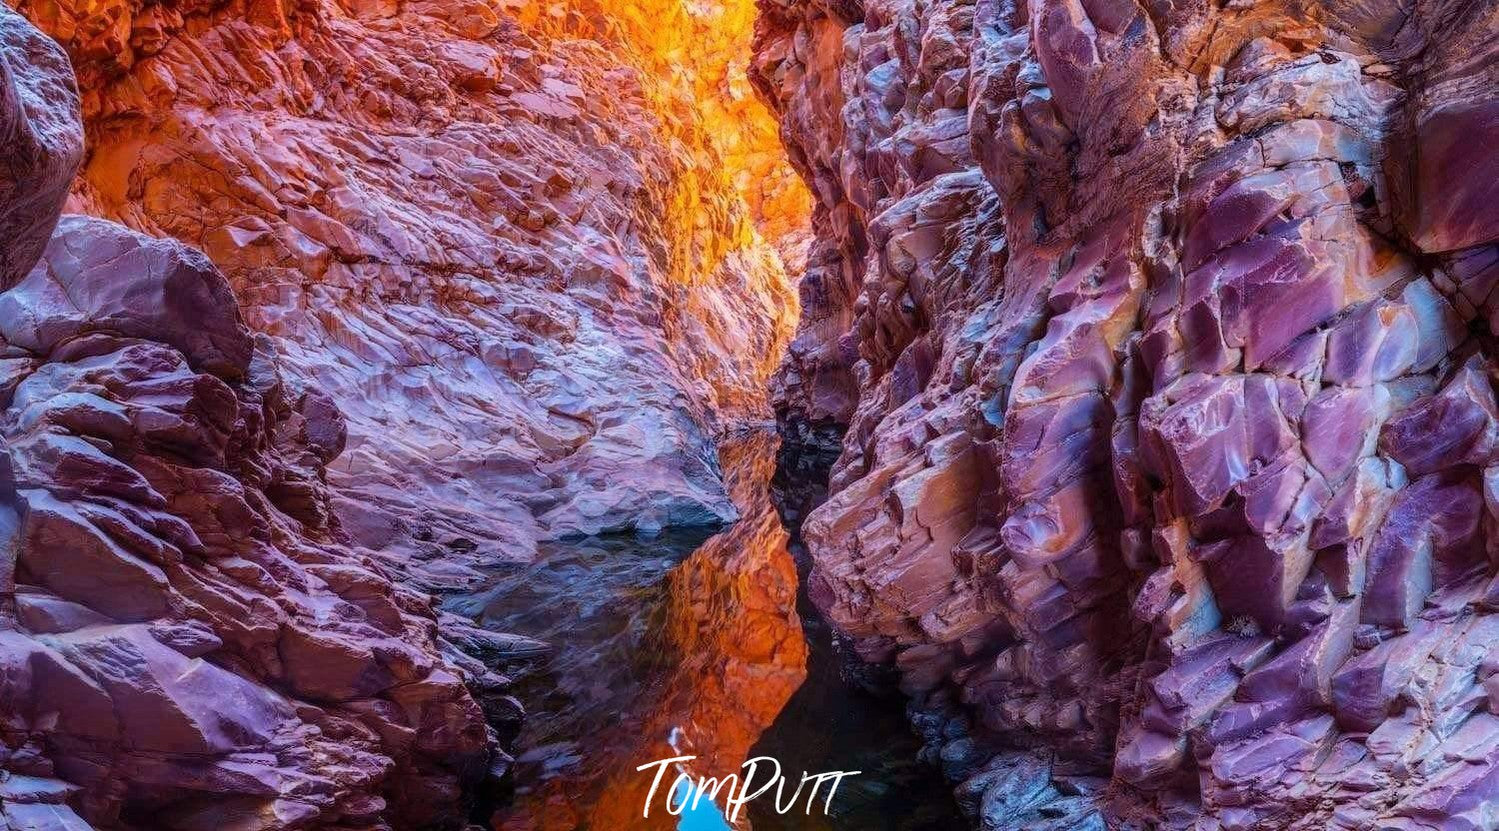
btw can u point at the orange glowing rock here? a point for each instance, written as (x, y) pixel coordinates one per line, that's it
(533, 250)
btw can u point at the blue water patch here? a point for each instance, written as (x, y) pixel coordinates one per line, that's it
(698, 813)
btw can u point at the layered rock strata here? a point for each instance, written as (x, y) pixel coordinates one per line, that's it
(188, 642)
(502, 236)
(1163, 337)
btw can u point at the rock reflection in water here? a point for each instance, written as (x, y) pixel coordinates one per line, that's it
(677, 640)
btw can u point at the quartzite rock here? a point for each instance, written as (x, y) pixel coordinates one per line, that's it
(1163, 335)
(187, 639)
(191, 643)
(42, 138)
(503, 237)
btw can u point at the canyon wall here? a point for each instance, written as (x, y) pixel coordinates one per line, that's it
(1162, 334)
(187, 640)
(396, 288)
(517, 243)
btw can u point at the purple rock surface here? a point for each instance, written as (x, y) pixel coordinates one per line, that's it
(1163, 337)
(188, 641)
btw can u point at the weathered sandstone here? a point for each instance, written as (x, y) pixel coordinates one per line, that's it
(514, 242)
(42, 138)
(1163, 339)
(187, 640)
(461, 278)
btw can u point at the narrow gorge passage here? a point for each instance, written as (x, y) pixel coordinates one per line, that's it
(429, 415)
(681, 645)
(363, 324)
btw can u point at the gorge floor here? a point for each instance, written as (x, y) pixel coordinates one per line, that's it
(704, 644)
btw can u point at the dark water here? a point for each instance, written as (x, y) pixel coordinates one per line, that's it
(833, 722)
(703, 645)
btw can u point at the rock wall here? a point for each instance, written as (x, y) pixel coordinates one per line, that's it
(1163, 337)
(505, 237)
(187, 640)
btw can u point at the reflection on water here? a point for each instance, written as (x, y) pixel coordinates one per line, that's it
(689, 644)
(833, 723)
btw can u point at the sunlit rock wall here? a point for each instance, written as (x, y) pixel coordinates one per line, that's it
(534, 271)
(694, 58)
(187, 641)
(1163, 335)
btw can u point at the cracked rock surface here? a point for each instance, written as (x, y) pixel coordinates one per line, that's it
(188, 641)
(1163, 337)
(501, 236)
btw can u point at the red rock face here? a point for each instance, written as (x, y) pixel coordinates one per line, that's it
(502, 237)
(1163, 339)
(187, 639)
(461, 278)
